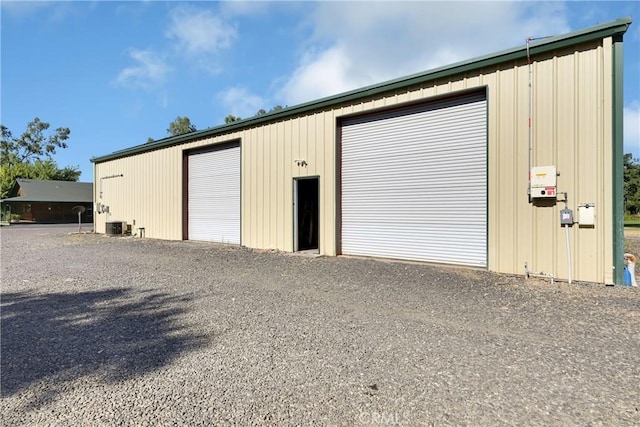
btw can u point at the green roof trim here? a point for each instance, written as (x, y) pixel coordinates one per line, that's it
(619, 26)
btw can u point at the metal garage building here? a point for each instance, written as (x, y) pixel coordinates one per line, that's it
(468, 164)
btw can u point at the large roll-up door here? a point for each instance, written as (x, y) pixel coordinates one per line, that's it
(214, 195)
(414, 183)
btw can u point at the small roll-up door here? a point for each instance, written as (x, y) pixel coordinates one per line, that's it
(214, 195)
(414, 183)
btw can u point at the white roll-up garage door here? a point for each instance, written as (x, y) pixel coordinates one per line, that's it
(414, 183)
(214, 196)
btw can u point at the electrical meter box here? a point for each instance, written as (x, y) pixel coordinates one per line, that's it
(543, 182)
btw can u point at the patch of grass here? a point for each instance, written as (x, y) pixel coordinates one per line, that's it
(631, 220)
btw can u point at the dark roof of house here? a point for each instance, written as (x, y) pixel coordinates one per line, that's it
(613, 28)
(37, 190)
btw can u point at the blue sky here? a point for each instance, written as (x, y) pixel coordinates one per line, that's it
(117, 73)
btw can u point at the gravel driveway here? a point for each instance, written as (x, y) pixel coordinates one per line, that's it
(127, 331)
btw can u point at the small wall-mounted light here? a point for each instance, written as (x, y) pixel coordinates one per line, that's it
(300, 162)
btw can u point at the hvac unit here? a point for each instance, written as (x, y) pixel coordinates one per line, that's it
(116, 228)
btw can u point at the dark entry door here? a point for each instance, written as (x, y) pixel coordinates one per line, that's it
(306, 215)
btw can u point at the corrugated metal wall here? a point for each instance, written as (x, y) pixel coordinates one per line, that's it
(572, 130)
(149, 192)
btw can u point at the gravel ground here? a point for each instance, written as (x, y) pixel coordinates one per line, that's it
(123, 331)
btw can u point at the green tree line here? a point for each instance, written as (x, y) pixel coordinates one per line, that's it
(631, 185)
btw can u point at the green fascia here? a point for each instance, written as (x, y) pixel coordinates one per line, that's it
(618, 161)
(619, 26)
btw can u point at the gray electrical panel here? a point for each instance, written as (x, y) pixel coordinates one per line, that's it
(566, 217)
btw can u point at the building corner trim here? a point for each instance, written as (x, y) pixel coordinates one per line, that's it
(617, 158)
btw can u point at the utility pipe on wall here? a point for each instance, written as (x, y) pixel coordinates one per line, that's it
(530, 112)
(530, 108)
(108, 177)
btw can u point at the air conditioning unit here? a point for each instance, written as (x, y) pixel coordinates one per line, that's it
(116, 228)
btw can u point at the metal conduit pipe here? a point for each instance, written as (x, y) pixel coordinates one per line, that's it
(530, 108)
(530, 112)
(108, 177)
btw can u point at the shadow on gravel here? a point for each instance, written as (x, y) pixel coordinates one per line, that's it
(112, 334)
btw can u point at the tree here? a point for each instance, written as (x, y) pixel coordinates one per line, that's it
(631, 184)
(33, 143)
(180, 126)
(31, 155)
(231, 118)
(262, 111)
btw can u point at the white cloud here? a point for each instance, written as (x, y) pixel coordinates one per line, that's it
(321, 74)
(632, 128)
(355, 44)
(240, 102)
(197, 31)
(149, 72)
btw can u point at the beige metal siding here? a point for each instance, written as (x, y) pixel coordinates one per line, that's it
(572, 129)
(570, 132)
(149, 193)
(268, 171)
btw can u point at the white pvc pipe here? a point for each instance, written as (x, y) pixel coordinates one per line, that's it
(566, 232)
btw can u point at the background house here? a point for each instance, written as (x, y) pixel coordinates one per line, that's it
(45, 201)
